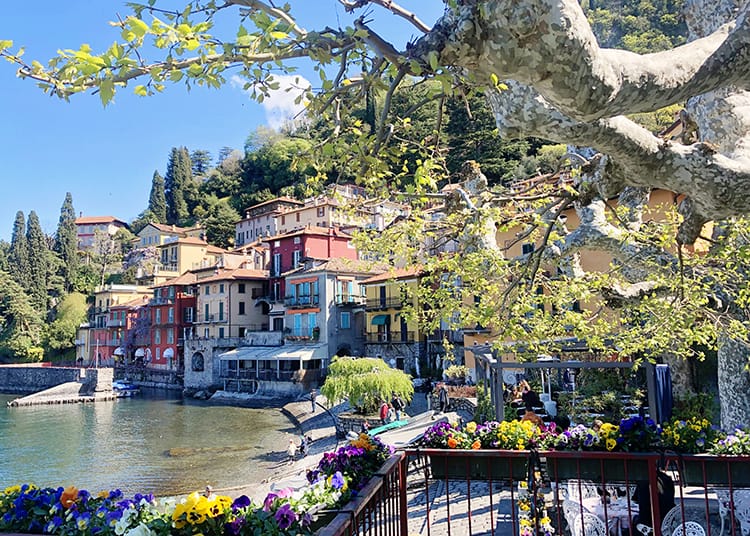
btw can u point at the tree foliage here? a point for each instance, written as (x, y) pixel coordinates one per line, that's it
(66, 242)
(70, 313)
(20, 322)
(19, 251)
(365, 382)
(38, 261)
(157, 200)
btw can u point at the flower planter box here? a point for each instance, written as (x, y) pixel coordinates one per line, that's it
(461, 467)
(718, 470)
(612, 469)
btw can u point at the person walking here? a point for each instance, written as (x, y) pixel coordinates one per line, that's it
(384, 412)
(291, 450)
(443, 399)
(313, 396)
(398, 405)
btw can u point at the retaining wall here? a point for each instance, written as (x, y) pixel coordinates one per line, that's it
(24, 379)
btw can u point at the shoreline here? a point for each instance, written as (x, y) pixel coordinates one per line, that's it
(319, 426)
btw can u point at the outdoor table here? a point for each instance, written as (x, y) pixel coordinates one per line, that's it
(618, 515)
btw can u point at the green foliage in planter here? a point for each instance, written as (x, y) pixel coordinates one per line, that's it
(695, 405)
(456, 372)
(365, 382)
(485, 409)
(607, 403)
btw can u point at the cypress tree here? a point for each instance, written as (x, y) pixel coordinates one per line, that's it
(38, 261)
(66, 242)
(157, 201)
(177, 178)
(19, 252)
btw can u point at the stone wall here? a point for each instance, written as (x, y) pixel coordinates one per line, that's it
(24, 379)
(350, 422)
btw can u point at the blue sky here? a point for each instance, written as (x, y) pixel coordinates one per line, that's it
(106, 156)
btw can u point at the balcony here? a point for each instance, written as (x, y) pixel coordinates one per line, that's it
(350, 299)
(116, 323)
(302, 301)
(391, 337)
(383, 303)
(210, 318)
(161, 301)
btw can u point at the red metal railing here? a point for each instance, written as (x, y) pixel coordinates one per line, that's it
(445, 492)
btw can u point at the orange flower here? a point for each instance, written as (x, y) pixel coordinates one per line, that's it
(452, 442)
(69, 496)
(476, 445)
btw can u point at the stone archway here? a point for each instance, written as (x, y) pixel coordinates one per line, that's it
(197, 362)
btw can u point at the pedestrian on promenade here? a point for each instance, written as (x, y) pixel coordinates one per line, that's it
(443, 399)
(398, 405)
(313, 396)
(384, 412)
(291, 450)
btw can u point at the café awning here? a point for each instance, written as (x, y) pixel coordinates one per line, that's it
(381, 320)
(294, 352)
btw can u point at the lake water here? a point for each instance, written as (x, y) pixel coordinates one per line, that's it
(148, 443)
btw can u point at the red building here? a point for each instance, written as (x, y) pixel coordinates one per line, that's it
(122, 321)
(287, 252)
(172, 316)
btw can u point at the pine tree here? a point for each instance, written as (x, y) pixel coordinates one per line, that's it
(178, 178)
(38, 261)
(66, 242)
(19, 252)
(157, 201)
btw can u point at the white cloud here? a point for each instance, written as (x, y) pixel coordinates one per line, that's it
(279, 106)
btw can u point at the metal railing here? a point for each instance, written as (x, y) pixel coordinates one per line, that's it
(391, 336)
(492, 492)
(383, 303)
(301, 301)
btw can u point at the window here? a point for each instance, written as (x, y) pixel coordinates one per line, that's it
(276, 264)
(157, 316)
(283, 220)
(205, 313)
(527, 249)
(221, 288)
(158, 354)
(296, 257)
(205, 333)
(170, 336)
(241, 288)
(242, 308)
(221, 333)
(157, 336)
(170, 315)
(321, 212)
(297, 239)
(346, 320)
(206, 292)
(297, 216)
(187, 314)
(221, 311)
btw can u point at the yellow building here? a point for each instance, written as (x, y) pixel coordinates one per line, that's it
(177, 256)
(156, 234)
(388, 334)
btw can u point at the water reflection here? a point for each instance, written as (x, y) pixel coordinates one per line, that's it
(150, 443)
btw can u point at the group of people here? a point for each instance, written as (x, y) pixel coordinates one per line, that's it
(393, 410)
(293, 449)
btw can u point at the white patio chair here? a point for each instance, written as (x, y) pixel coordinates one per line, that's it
(581, 489)
(588, 525)
(722, 497)
(742, 510)
(674, 520)
(689, 528)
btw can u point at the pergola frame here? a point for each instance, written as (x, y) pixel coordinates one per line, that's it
(490, 368)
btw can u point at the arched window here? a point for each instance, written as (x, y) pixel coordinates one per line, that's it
(197, 362)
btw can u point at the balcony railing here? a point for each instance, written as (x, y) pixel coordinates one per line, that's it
(384, 303)
(207, 319)
(116, 323)
(346, 299)
(488, 492)
(391, 337)
(161, 301)
(302, 301)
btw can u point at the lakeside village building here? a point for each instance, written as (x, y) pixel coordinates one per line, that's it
(268, 316)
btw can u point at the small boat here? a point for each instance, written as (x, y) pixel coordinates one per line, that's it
(123, 388)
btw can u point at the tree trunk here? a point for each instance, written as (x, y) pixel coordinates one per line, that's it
(734, 383)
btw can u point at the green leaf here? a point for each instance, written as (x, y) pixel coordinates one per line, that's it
(432, 58)
(137, 26)
(175, 76)
(6, 43)
(279, 35)
(106, 91)
(141, 91)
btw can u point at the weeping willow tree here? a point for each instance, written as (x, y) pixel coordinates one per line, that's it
(365, 383)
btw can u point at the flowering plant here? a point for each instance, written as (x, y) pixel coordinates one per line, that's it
(635, 434)
(69, 511)
(531, 512)
(690, 436)
(579, 437)
(735, 444)
(508, 435)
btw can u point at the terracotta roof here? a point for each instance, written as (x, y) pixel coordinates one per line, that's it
(189, 240)
(282, 199)
(350, 266)
(395, 273)
(165, 228)
(238, 274)
(312, 230)
(89, 220)
(137, 302)
(188, 278)
(215, 249)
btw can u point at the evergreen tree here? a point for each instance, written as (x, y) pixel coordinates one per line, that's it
(201, 162)
(66, 242)
(21, 322)
(178, 179)
(157, 202)
(38, 261)
(19, 252)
